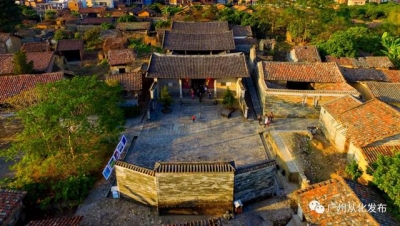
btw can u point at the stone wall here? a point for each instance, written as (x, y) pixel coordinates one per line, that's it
(255, 181)
(137, 183)
(195, 193)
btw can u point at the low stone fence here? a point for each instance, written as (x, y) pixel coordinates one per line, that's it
(195, 187)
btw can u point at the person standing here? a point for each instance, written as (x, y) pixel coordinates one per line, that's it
(266, 122)
(193, 118)
(200, 97)
(271, 117)
(259, 118)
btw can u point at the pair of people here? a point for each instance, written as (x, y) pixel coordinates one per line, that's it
(268, 119)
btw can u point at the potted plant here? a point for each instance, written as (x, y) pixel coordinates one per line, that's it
(165, 100)
(229, 102)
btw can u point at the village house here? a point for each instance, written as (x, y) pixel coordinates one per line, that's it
(353, 127)
(43, 62)
(13, 85)
(146, 13)
(297, 89)
(304, 54)
(384, 91)
(97, 20)
(9, 43)
(91, 12)
(121, 60)
(131, 82)
(71, 49)
(200, 27)
(134, 29)
(67, 221)
(183, 42)
(242, 32)
(36, 47)
(329, 197)
(377, 62)
(11, 205)
(184, 72)
(102, 3)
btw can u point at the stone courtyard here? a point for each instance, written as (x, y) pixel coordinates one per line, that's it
(174, 137)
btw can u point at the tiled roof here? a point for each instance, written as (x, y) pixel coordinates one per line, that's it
(392, 75)
(174, 40)
(4, 37)
(206, 222)
(110, 33)
(121, 56)
(193, 167)
(62, 221)
(363, 74)
(197, 66)
(370, 197)
(41, 61)
(339, 191)
(92, 10)
(135, 168)
(10, 200)
(370, 122)
(371, 153)
(35, 47)
(129, 81)
(330, 194)
(246, 41)
(14, 84)
(385, 91)
(69, 44)
(242, 31)
(97, 20)
(302, 72)
(256, 166)
(114, 13)
(340, 105)
(200, 27)
(306, 54)
(133, 26)
(382, 62)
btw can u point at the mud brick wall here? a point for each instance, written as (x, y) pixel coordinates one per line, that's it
(195, 192)
(287, 106)
(137, 183)
(255, 181)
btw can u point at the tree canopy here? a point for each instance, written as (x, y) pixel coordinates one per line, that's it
(387, 178)
(66, 131)
(10, 15)
(21, 64)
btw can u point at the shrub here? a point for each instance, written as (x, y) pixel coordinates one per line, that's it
(353, 170)
(165, 99)
(229, 100)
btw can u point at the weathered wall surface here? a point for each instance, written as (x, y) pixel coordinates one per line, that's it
(286, 106)
(196, 193)
(137, 183)
(255, 182)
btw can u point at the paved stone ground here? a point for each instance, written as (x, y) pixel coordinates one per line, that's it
(174, 137)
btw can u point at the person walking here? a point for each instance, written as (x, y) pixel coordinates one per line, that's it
(266, 122)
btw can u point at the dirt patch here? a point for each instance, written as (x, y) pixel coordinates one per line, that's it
(317, 157)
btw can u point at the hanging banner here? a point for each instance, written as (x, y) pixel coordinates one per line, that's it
(117, 155)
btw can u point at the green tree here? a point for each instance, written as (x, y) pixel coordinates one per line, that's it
(10, 15)
(392, 48)
(387, 177)
(353, 170)
(163, 24)
(127, 18)
(67, 132)
(21, 64)
(106, 26)
(61, 34)
(29, 13)
(171, 10)
(165, 98)
(50, 15)
(92, 36)
(229, 100)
